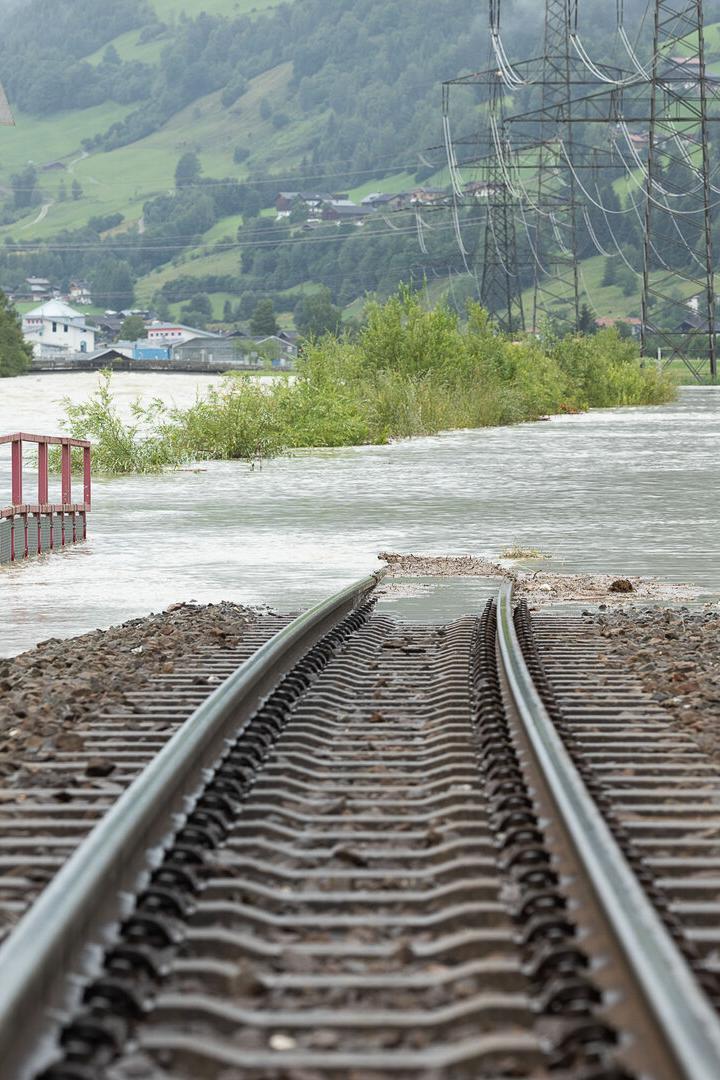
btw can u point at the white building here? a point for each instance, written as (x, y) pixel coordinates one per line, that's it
(174, 333)
(80, 293)
(58, 325)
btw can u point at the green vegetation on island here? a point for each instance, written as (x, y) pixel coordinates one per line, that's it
(409, 371)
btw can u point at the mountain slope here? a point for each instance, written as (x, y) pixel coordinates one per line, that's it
(299, 95)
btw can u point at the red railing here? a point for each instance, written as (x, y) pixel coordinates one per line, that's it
(32, 513)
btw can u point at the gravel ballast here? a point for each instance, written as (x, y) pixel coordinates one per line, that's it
(46, 692)
(676, 653)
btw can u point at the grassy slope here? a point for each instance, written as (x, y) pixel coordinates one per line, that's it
(125, 178)
(121, 181)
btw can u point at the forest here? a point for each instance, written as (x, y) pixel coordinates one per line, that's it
(364, 93)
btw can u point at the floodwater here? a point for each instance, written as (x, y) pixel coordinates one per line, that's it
(631, 491)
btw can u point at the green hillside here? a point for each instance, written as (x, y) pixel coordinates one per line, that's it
(267, 96)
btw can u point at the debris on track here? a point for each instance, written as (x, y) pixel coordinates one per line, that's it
(539, 587)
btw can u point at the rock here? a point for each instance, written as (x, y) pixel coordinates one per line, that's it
(282, 1042)
(621, 585)
(99, 767)
(69, 740)
(348, 855)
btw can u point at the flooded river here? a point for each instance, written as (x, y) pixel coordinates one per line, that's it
(629, 491)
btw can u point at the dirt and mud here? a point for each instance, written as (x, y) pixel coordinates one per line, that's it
(540, 587)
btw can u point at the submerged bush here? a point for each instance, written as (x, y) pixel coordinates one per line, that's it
(139, 447)
(409, 372)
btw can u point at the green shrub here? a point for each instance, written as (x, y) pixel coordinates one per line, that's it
(409, 372)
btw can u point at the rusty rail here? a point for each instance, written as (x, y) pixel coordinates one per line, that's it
(32, 528)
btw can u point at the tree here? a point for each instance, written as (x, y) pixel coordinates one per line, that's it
(111, 56)
(62, 192)
(199, 311)
(586, 323)
(15, 353)
(263, 318)
(188, 171)
(627, 281)
(316, 315)
(77, 191)
(299, 213)
(252, 204)
(162, 307)
(112, 284)
(191, 317)
(24, 185)
(610, 269)
(202, 302)
(132, 329)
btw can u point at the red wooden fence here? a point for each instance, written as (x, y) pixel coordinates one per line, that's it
(31, 528)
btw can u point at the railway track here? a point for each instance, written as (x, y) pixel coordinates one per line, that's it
(381, 849)
(50, 805)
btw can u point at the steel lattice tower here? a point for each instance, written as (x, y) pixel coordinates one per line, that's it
(500, 289)
(556, 271)
(679, 192)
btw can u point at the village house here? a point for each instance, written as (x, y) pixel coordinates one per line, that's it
(39, 288)
(281, 352)
(343, 211)
(221, 352)
(107, 326)
(142, 350)
(310, 201)
(482, 189)
(285, 201)
(605, 322)
(57, 324)
(79, 292)
(380, 201)
(170, 334)
(427, 196)
(640, 138)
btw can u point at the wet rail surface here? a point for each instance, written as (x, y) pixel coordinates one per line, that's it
(371, 881)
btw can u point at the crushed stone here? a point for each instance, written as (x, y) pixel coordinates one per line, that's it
(676, 654)
(48, 691)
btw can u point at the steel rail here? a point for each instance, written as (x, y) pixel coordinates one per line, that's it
(59, 943)
(690, 1025)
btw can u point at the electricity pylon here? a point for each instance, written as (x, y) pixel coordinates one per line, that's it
(556, 215)
(678, 297)
(500, 287)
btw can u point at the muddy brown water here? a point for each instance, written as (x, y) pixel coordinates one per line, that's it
(627, 491)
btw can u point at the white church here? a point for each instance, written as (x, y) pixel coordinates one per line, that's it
(56, 325)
